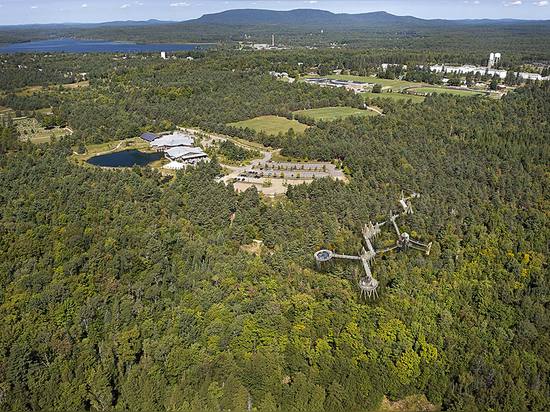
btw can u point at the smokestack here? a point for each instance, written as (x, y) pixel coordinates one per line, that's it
(272, 40)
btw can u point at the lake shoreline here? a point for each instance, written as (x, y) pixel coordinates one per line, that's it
(73, 45)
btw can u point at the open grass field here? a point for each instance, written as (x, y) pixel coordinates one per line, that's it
(333, 113)
(84, 83)
(386, 83)
(30, 129)
(400, 97)
(271, 124)
(456, 92)
(29, 90)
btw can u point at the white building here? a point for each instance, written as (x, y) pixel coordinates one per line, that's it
(465, 69)
(500, 73)
(163, 55)
(172, 140)
(186, 155)
(494, 60)
(261, 46)
(530, 76)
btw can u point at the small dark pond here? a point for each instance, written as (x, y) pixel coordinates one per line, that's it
(126, 158)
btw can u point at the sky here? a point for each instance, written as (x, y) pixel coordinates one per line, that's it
(62, 11)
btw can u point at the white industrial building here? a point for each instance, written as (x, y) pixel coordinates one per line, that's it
(494, 60)
(178, 148)
(532, 76)
(187, 155)
(176, 139)
(465, 69)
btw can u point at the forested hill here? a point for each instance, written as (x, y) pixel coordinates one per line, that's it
(339, 21)
(122, 291)
(308, 18)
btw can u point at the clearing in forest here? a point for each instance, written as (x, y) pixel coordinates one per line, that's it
(457, 92)
(395, 96)
(30, 90)
(271, 125)
(30, 129)
(333, 113)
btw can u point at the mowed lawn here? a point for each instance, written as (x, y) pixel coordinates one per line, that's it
(395, 96)
(271, 125)
(456, 92)
(333, 113)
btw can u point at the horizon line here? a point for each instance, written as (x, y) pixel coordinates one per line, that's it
(281, 11)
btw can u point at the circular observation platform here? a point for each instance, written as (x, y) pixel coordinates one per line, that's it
(323, 255)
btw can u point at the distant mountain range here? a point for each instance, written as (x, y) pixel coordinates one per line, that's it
(307, 17)
(298, 17)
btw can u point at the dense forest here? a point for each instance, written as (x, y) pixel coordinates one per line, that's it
(142, 92)
(122, 290)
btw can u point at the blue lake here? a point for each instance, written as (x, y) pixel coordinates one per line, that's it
(96, 46)
(126, 158)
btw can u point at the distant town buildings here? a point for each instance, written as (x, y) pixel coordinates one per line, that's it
(494, 61)
(356, 87)
(465, 69)
(262, 46)
(485, 71)
(282, 75)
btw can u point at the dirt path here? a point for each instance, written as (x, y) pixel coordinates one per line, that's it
(376, 110)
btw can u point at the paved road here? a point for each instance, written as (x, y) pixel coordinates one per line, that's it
(237, 170)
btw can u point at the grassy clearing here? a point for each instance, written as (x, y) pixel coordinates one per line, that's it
(271, 124)
(85, 83)
(333, 113)
(30, 129)
(29, 90)
(400, 97)
(456, 92)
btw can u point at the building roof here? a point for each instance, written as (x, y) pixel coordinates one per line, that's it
(192, 156)
(173, 140)
(184, 152)
(149, 137)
